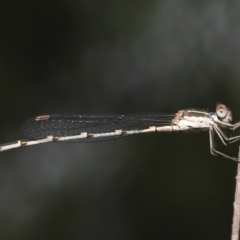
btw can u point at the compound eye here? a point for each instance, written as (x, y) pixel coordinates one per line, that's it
(221, 111)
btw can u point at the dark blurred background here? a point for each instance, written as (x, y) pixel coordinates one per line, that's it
(123, 56)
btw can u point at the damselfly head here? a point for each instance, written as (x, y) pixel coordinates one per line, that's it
(223, 113)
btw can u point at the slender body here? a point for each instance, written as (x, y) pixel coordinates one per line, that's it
(89, 128)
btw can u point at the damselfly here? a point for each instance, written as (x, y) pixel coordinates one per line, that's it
(90, 128)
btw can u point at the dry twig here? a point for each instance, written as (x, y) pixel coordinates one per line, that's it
(236, 205)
